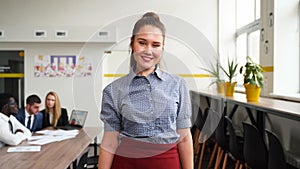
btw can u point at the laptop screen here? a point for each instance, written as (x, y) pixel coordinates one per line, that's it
(78, 117)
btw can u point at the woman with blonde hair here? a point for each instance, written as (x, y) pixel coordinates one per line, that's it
(54, 115)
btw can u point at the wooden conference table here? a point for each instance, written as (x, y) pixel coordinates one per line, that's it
(56, 155)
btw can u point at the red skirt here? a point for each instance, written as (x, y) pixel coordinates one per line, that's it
(132, 154)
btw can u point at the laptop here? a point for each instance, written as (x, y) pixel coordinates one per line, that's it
(76, 121)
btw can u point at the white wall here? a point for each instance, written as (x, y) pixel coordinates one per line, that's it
(227, 28)
(286, 55)
(180, 17)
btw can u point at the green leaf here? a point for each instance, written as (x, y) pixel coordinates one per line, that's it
(253, 73)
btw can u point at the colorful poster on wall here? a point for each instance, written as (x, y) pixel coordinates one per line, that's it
(62, 66)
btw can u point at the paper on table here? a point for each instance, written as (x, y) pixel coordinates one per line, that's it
(50, 136)
(58, 132)
(38, 137)
(50, 139)
(43, 141)
(24, 149)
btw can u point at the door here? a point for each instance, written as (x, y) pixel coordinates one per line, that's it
(12, 74)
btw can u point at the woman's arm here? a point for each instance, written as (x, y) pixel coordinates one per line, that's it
(185, 148)
(108, 148)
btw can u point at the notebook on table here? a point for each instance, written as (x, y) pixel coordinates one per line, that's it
(76, 121)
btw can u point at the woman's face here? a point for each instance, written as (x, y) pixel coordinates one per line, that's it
(50, 101)
(147, 47)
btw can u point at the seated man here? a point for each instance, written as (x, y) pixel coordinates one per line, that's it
(30, 116)
(12, 132)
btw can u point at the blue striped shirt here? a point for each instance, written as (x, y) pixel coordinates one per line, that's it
(149, 109)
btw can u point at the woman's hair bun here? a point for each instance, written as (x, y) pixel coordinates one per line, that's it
(151, 15)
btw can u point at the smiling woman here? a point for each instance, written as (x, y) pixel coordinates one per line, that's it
(147, 46)
(147, 43)
(146, 113)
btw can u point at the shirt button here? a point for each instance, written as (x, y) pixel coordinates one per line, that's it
(151, 112)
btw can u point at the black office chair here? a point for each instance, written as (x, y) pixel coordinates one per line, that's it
(196, 128)
(255, 150)
(82, 163)
(235, 144)
(276, 157)
(199, 123)
(92, 161)
(222, 141)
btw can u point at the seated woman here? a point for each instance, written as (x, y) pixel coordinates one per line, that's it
(53, 114)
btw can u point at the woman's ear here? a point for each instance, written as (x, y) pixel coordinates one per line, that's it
(131, 42)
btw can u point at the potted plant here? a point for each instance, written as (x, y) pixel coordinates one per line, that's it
(231, 72)
(253, 79)
(214, 72)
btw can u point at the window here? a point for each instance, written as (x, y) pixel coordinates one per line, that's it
(247, 32)
(269, 34)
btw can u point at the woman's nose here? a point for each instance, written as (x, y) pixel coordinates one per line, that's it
(148, 49)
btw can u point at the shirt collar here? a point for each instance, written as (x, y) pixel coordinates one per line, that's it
(158, 72)
(4, 117)
(27, 114)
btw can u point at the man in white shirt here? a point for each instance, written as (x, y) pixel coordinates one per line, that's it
(12, 132)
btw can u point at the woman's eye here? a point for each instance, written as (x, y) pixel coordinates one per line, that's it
(142, 43)
(156, 45)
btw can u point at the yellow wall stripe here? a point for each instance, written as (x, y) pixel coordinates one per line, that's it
(114, 75)
(11, 75)
(182, 75)
(268, 68)
(194, 75)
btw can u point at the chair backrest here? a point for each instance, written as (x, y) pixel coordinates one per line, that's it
(220, 134)
(82, 164)
(276, 157)
(212, 119)
(233, 142)
(200, 119)
(197, 124)
(255, 150)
